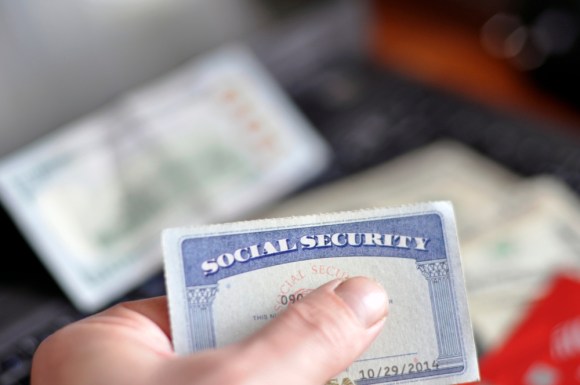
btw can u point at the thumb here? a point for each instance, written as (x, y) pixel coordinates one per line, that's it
(320, 336)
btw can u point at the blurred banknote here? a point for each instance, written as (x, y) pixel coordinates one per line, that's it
(444, 170)
(213, 141)
(508, 265)
(226, 281)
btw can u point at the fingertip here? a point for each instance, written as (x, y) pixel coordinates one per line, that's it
(367, 299)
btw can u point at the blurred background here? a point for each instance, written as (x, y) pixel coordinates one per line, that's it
(393, 102)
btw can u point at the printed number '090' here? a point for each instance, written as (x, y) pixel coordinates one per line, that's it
(290, 299)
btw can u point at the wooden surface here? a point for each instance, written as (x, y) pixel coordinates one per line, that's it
(442, 47)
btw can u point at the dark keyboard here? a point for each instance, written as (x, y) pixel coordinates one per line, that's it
(370, 115)
(27, 319)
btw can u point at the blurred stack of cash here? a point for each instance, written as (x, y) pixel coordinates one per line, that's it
(211, 141)
(515, 233)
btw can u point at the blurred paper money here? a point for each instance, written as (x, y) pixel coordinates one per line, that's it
(226, 281)
(508, 265)
(444, 170)
(213, 141)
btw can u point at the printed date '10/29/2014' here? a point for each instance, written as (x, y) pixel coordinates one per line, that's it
(393, 370)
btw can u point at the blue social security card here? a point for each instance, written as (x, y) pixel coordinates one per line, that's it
(227, 281)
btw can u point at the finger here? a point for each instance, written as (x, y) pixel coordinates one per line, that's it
(318, 337)
(155, 309)
(147, 318)
(128, 334)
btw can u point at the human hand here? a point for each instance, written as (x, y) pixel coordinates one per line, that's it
(309, 343)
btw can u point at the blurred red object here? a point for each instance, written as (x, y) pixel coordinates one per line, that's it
(545, 348)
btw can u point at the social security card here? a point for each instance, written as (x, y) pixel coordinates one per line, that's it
(226, 281)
